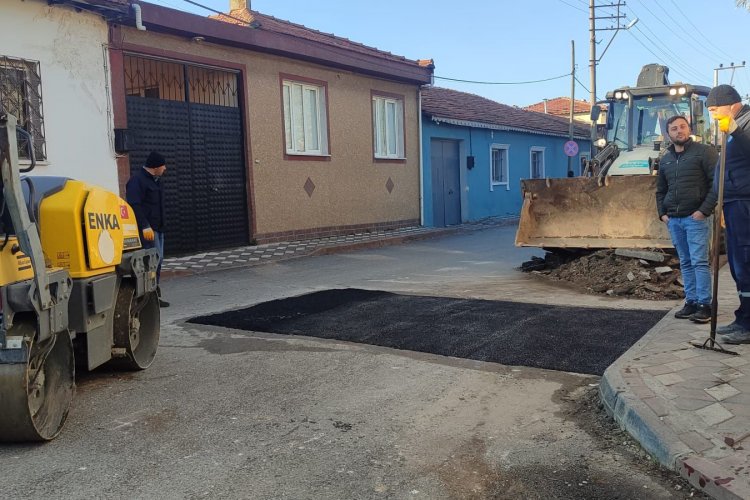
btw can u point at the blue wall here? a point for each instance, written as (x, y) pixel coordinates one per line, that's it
(478, 199)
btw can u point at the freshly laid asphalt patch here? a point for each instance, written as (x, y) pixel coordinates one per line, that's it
(573, 339)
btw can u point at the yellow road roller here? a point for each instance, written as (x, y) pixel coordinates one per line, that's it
(76, 290)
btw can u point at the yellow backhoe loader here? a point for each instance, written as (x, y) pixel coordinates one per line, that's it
(76, 289)
(613, 205)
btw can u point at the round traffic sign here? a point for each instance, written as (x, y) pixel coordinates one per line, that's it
(571, 148)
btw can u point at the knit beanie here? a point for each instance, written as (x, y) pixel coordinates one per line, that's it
(154, 160)
(722, 95)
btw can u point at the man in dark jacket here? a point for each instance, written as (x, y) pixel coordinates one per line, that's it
(726, 106)
(685, 199)
(145, 194)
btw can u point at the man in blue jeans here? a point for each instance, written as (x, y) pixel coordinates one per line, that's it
(685, 199)
(145, 194)
(725, 105)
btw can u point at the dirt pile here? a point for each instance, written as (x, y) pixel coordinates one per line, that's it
(614, 272)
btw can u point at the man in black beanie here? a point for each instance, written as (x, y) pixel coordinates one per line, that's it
(145, 194)
(725, 105)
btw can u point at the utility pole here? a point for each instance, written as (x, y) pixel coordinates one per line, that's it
(592, 69)
(722, 67)
(593, 61)
(572, 99)
(716, 82)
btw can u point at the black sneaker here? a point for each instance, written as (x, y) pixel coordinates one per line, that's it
(702, 314)
(163, 303)
(687, 311)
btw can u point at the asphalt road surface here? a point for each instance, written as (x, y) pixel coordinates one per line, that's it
(235, 414)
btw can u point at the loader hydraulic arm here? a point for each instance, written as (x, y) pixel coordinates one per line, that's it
(600, 163)
(26, 231)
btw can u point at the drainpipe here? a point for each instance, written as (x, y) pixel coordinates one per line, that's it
(138, 17)
(421, 160)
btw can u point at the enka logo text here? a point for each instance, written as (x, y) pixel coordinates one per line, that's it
(103, 221)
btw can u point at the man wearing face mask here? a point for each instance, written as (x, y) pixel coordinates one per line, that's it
(725, 105)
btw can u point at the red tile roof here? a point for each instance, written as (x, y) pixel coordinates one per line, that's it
(272, 24)
(447, 103)
(561, 106)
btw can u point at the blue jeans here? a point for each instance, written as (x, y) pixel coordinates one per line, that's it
(736, 216)
(690, 238)
(158, 243)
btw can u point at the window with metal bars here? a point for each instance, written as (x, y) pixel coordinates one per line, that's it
(174, 81)
(21, 96)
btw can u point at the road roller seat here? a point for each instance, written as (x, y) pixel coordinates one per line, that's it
(35, 190)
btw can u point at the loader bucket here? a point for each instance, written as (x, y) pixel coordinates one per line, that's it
(591, 212)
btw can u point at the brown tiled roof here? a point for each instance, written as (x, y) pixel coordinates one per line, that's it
(452, 104)
(272, 24)
(561, 106)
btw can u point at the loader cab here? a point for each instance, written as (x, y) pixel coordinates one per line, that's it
(637, 118)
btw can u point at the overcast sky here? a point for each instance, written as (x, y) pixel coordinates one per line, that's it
(525, 40)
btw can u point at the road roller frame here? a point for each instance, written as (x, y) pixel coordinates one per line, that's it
(51, 322)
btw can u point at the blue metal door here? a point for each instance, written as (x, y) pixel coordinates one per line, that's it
(446, 183)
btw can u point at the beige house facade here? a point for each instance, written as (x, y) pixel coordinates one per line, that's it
(271, 131)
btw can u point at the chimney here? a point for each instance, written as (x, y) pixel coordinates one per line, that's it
(239, 5)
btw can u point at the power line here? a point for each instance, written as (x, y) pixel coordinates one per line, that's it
(684, 67)
(697, 29)
(691, 43)
(170, 3)
(572, 6)
(584, 87)
(243, 21)
(677, 63)
(502, 83)
(659, 58)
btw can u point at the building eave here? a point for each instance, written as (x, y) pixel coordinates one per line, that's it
(108, 10)
(504, 128)
(175, 22)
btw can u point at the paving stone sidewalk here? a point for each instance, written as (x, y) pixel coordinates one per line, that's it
(688, 407)
(261, 254)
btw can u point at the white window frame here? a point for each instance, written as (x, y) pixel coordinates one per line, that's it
(388, 135)
(493, 182)
(303, 130)
(536, 149)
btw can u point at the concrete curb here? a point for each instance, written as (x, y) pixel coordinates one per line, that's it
(383, 242)
(633, 415)
(638, 420)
